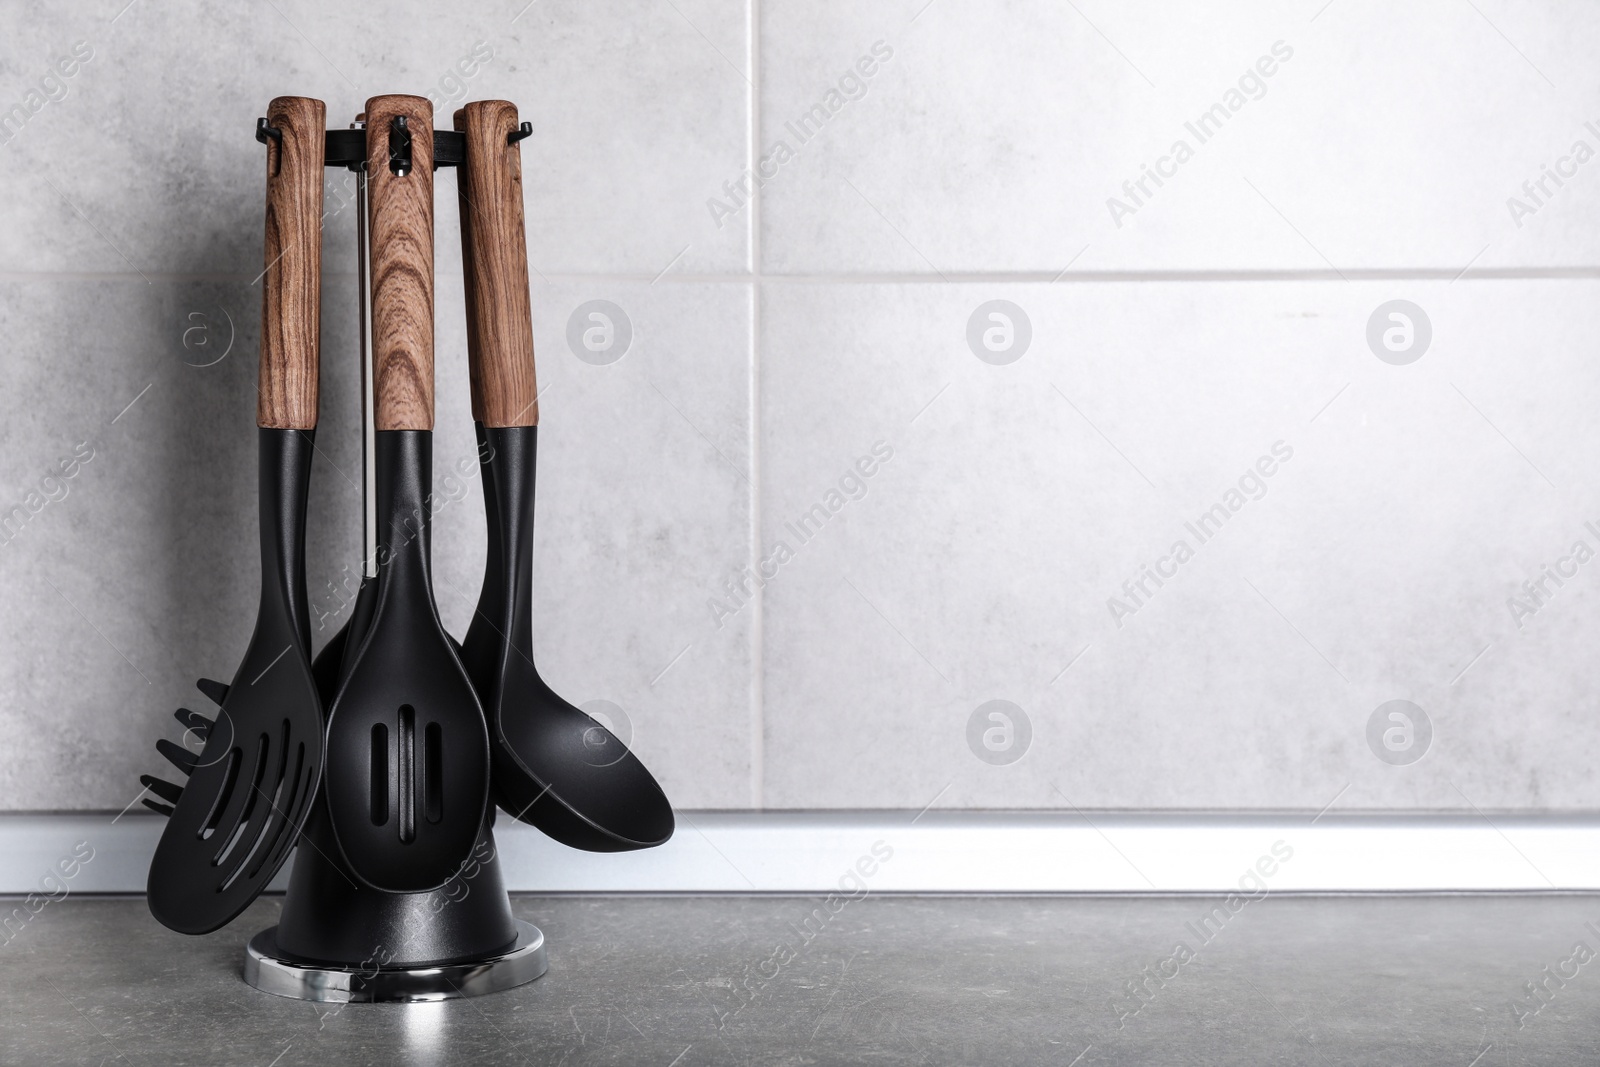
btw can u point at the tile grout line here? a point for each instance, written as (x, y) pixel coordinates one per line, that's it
(758, 740)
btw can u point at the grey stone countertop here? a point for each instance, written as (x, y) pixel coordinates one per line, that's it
(685, 981)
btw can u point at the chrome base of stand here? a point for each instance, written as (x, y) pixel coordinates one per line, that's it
(269, 971)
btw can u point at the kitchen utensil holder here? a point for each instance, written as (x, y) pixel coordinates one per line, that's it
(338, 940)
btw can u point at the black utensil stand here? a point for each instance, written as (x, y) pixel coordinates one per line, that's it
(338, 939)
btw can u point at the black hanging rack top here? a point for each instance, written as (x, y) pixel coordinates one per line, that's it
(348, 148)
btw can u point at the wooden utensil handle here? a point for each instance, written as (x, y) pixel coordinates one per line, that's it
(469, 284)
(494, 251)
(291, 287)
(400, 208)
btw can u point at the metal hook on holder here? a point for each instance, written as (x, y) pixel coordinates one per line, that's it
(268, 135)
(525, 130)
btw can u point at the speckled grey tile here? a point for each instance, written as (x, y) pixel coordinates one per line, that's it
(1247, 135)
(145, 160)
(138, 573)
(997, 554)
(645, 469)
(688, 982)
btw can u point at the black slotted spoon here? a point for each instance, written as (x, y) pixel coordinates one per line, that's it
(408, 751)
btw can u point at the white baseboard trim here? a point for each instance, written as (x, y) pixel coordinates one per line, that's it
(956, 852)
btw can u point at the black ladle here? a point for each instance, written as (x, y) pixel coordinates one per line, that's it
(554, 766)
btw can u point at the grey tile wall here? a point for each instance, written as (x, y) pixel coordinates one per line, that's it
(915, 427)
(1374, 521)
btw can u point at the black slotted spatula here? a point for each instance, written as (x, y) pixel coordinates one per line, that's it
(251, 787)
